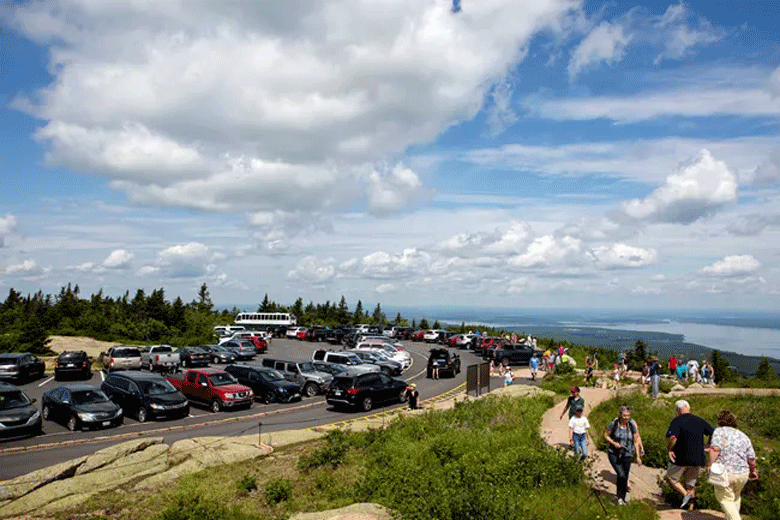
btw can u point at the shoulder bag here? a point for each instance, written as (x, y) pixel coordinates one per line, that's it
(718, 475)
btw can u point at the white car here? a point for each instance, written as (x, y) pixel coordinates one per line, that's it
(395, 353)
(382, 339)
(292, 331)
(432, 336)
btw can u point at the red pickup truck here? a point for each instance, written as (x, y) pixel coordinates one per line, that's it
(212, 387)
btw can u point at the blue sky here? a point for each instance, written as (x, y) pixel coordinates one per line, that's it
(544, 154)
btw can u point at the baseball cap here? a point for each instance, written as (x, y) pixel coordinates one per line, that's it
(575, 389)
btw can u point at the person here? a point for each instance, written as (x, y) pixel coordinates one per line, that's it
(708, 373)
(414, 396)
(655, 375)
(534, 365)
(546, 360)
(733, 449)
(492, 367)
(509, 377)
(624, 440)
(673, 366)
(588, 374)
(645, 376)
(682, 371)
(616, 376)
(595, 362)
(574, 401)
(579, 434)
(685, 447)
(435, 369)
(693, 370)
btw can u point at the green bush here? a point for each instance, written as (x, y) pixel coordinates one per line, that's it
(246, 485)
(564, 369)
(336, 444)
(192, 507)
(279, 490)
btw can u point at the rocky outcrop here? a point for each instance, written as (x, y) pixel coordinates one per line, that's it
(360, 511)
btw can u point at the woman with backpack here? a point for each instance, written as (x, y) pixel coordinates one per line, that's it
(622, 435)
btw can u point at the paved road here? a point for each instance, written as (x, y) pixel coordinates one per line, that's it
(57, 444)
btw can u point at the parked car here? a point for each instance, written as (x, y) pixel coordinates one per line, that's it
(18, 415)
(145, 395)
(330, 368)
(73, 363)
(193, 357)
(446, 361)
(395, 353)
(269, 385)
(213, 387)
(121, 357)
(219, 354)
(21, 366)
(317, 333)
(417, 335)
(386, 365)
(432, 335)
(160, 358)
(80, 406)
(365, 390)
(462, 340)
(292, 332)
(513, 354)
(261, 344)
(310, 380)
(243, 349)
(301, 334)
(348, 359)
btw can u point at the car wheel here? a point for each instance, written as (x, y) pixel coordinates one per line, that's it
(73, 423)
(216, 406)
(310, 390)
(46, 413)
(366, 403)
(142, 415)
(268, 397)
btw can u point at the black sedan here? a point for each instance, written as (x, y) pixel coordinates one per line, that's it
(80, 406)
(514, 354)
(269, 385)
(365, 390)
(193, 357)
(219, 354)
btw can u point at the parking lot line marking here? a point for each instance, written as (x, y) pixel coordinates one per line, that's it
(40, 385)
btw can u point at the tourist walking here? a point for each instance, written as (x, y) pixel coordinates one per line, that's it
(685, 447)
(707, 373)
(655, 375)
(673, 366)
(733, 450)
(588, 374)
(624, 440)
(534, 365)
(414, 396)
(579, 433)
(645, 376)
(509, 377)
(616, 377)
(574, 401)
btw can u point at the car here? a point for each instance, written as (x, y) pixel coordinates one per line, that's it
(395, 353)
(269, 385)
(513, 354)
(80, 406)
(21, 366)
(18, 415)
(386, 365)
(310, 380)
(292, 332)
(261, 344)
(346, 358)
(364, 391)
(488, 343)
(417, 335)
(331, 368)
(193, 357)
(121, 357)
(243, 349)
(73, 363)
(433, 335)
(219, 354)
(214, 388)
(301, 334)
(145, 395)
(317, 333)
(462, 340)
(447, 362)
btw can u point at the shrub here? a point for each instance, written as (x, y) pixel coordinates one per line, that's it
(189, 507)
(337, 442)
(564, 369)
(246, 485)
(279, 490)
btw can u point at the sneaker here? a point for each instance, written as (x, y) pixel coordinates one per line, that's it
(686, 500)
(621, 502)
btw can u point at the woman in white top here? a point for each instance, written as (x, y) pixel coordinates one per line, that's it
(733, 449)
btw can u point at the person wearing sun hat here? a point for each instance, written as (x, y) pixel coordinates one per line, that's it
(414, 396)
(574, 401)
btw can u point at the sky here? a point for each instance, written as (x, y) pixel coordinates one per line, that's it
(484, 153)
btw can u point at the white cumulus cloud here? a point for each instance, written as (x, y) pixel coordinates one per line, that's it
(620, 256)
(118, 259)
(314, 270)
(734, 265)
(698, 188)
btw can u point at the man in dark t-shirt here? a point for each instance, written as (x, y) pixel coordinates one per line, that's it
(685, 444)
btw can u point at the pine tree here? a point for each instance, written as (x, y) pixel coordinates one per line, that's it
(358, 316)
(378, 316)
(204, 303)
(720, 366)
(763, 370)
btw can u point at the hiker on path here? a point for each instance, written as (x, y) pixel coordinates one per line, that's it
(624, 440)
(673, 366)
(574, 401)
(579, 433)
(733, 449)
(685, 446)
(534, 365)
(655, 375)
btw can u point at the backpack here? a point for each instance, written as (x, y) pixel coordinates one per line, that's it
(616, 421)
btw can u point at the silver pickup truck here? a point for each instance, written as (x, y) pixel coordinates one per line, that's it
(161, 358)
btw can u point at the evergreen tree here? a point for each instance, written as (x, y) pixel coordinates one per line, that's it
(297, 308)
(424, 324)
(436, 324)
(414, 324)
(358, 316)
(378, 316)
(342, 311)
(763, 370)
(720, 366)
(33, 337)
(177, 315)
(266, 305)
(204, 303)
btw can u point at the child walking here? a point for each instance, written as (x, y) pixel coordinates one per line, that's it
(579, 433)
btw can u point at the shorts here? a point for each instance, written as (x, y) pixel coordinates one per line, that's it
(687, 475)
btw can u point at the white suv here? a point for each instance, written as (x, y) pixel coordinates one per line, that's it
(395, 353)
(348, 359)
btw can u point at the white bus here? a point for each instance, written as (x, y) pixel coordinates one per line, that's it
(251, 320)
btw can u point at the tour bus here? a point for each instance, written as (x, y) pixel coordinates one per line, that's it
(252, 320)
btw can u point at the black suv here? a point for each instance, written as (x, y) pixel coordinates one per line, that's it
(21, 366)
(317, 333)
(145, 395)
(73, 363)
(269, 385)
(365, 390)
(18, 416)
(513, 354)
(447, 362)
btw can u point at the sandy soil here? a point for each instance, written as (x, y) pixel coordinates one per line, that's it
(91, 346)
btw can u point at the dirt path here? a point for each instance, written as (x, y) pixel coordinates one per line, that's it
(642, 480)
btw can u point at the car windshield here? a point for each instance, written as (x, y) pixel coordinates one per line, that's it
(164, 348)
(341, 383)
(272, 375)
(13, 399)
(71, 356)
(306, 367)
(196, 350)
(88, 397)
(159, 388)
(222, 379)
(9, 360)
(126, 352)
